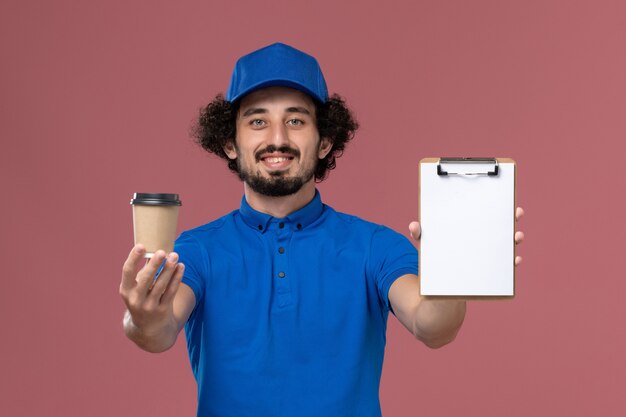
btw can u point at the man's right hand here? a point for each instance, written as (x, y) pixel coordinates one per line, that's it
(150, 320)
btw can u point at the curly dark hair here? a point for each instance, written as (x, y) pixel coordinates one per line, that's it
(216, 127)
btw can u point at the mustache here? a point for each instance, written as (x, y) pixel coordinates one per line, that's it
(283, 149)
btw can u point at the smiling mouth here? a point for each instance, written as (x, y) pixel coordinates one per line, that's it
(276, 159)
(277, 163)
(273, 152)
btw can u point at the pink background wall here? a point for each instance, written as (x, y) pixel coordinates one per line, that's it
(96, 102)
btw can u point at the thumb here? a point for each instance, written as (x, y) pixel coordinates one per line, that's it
(416, 230)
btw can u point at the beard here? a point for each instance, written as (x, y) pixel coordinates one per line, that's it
(278, 184)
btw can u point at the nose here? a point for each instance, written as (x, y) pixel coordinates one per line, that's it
(279, 136)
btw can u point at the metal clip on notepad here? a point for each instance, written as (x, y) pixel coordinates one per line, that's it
(442, 161)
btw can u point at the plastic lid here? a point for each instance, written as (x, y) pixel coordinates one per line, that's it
(156, 199)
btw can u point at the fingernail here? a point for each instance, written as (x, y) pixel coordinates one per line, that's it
(172, 257)
(139, 249)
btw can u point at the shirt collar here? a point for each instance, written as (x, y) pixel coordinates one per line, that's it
(300, 218)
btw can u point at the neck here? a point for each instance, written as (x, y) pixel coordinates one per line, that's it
(280, 206)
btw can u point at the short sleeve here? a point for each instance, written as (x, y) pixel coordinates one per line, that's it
(391, 256)
(193, 255)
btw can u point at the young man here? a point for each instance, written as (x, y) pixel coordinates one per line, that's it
(284, 301)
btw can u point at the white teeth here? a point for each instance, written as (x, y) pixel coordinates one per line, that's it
(275, 160)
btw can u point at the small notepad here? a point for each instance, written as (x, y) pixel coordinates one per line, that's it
(467, 215)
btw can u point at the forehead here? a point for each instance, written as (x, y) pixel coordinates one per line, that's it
(276, 98)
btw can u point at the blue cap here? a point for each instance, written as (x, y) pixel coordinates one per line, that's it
(277, 65)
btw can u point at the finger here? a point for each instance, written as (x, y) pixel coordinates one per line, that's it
(416, 230)
(172, 288)
(519, 212)
(518, 260)
(131, 267)
(159, 286)
(145, 277)
(519, 236)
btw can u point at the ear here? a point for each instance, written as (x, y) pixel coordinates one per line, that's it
(326, 145)
(229, 149)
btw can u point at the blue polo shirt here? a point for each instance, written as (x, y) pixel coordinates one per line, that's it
(291, 313)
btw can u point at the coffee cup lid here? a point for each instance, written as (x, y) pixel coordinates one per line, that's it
(156, 199)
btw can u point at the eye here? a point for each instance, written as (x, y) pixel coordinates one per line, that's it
(295, 122)
(257, 122)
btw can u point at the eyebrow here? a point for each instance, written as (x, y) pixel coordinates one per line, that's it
(253, 110)
(298, 110)
(260, 110)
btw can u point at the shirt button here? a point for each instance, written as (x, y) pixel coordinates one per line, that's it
(299, 226)
(260, 227)
(281, 274)
(281, 250)
(281, 225)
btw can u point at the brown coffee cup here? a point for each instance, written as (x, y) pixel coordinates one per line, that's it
(155, 217)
